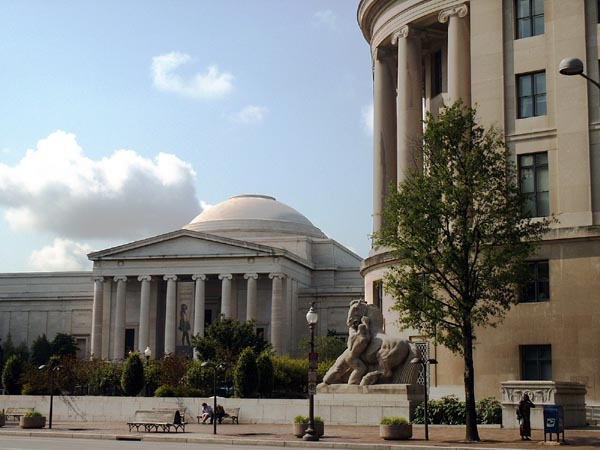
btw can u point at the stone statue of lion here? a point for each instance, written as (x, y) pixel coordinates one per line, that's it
(372, 357)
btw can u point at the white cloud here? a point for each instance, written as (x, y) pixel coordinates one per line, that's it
(367, 119)
(326, 18)
(211, 84)
(56, 188)
(62, 255)
(250, 114)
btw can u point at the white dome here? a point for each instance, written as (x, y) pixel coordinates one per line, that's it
(257, 213)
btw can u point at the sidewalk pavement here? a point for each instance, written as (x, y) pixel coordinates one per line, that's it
(336, 436)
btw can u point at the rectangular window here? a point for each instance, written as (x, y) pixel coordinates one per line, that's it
(534, 184)
(537, 289)
(378, 293)
(530, 18)
(531, 94)
(436, 73)
(536, 362)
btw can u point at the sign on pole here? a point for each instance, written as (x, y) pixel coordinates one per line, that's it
(312, 388)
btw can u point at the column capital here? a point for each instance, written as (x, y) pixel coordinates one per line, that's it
(199, 276)
(277, 275)
(100, 279)
(120, 278)
(145, 278)
(459, 11)
(247, 276)
(407, 31)
(225, 276)
(170, 277)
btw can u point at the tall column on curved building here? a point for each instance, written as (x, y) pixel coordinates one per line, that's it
(410, 100)
(170, 313)
(251, 296)
(278, 313)
(384, 130)
(144, 335)
(459, 52)
(226, 294)
(119, 342)
(97, 317)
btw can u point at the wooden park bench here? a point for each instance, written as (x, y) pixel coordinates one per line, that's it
(182, 411)
(230, 413)
(157, 420)
(16, 413)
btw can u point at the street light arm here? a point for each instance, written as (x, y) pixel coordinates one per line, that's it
(591, 80)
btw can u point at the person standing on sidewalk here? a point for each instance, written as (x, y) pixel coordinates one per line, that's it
(524, 417)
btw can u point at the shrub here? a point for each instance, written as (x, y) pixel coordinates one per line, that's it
(64, 345)
(152, 375)
(33, 414)
(164, 391)
(11, 375)
(132, 377)
(172, 369)
(450, 411)
(245, 374)
(328, 347)
(106, 378)
(305, 419)
(41, 350)
(290, 376)
(266, 375)
(395, 420)
(489, 411)
(199, 379)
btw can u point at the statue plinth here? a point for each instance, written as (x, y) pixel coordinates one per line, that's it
(367, 404)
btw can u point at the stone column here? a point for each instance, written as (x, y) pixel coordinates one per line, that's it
(199, 303)
(384, 130)
(107, 335)
(144, 330)
(410, 101)
(278, 313)
(119, 342)
(97, 317)
(170, 313)
(251, 295)
(226, 294)
(459, 53)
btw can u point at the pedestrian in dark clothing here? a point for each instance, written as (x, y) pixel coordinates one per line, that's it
(524, 417)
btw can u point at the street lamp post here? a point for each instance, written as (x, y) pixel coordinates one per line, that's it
(574, 66)
(424, 364)
(214, 416)
(313, 360)
(53, 368)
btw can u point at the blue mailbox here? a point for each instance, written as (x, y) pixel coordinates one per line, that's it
(554, 421)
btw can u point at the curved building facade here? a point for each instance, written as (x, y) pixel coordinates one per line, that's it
(503, 58)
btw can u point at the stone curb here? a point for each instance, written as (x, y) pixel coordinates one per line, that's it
(239, 441)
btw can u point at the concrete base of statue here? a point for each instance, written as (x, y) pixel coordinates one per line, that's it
(346, 403)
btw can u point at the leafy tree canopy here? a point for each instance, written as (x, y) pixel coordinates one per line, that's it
(459, 229)
(64, 345)
(226, 339)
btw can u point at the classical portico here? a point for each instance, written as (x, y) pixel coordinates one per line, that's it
(422, 58)
(249, 258)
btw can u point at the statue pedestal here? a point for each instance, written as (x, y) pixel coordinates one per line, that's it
(366, 405)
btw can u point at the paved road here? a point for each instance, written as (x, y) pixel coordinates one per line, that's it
(37, 443)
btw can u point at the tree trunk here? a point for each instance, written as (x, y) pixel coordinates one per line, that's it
(471, 415)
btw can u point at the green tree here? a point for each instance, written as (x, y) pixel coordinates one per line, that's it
(225, 340)
(328, 347)
(64, 345)
(11, 375)
(460, 234)
(266, 375)
(41, 350)
(245, 374)
(132, 378)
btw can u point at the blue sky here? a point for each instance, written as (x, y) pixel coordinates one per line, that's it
(120, 119)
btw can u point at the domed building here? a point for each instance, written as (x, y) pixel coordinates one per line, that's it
(249, 258)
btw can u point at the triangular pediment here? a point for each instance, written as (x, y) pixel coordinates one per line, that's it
(184, 244)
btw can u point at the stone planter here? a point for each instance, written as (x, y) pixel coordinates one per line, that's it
(32, 422)
(395, 432)
(300, 429)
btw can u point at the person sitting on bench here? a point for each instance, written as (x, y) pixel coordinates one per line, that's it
(219, 413)
(207, 413)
